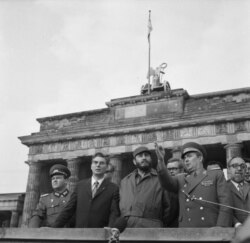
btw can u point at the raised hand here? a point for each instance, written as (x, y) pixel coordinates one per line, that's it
(160, 152)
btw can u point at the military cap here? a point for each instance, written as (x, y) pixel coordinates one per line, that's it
(59, 169)
(140, 150)
(193, 147)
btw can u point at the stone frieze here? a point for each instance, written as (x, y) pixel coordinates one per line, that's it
(143, 137)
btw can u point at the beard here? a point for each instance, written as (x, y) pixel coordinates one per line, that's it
(146, 167)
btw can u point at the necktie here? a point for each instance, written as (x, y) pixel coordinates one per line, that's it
(95, 187)
(240, 186)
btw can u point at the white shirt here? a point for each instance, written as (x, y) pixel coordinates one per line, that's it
(237, 184)
(93, 180)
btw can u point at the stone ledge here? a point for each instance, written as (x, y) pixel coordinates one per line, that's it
(129, 235)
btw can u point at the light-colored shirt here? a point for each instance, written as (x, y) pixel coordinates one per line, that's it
(93, 180)
(237, 184)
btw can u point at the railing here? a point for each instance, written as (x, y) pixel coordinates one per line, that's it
(131, 235)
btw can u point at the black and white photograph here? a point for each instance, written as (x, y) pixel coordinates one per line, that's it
(125, 120)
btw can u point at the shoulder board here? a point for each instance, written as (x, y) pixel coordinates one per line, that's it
(44, 195)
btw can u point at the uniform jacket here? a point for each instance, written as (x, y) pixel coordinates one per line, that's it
(209, 185)
(146, 200)
(97, 212)
(48, 208)
(240, 201)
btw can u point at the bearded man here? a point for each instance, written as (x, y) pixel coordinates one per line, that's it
(143, 202)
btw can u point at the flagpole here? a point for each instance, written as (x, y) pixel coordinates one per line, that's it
(149, 48)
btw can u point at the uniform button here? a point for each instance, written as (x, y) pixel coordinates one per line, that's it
(189, 219)
(200, 198)
(188, 209)
(185, 185)
(63, 201)
(52, 206)
(187, 200)
(61, 195)
(202, 218)
(201, 208)
(52, 200)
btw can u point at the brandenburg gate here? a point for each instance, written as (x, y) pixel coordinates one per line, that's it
(219, 120)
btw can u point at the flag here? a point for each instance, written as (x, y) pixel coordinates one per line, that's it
(150, 28)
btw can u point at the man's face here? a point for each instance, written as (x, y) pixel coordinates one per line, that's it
(99, 166)
(247, 175)
(143, 161)
(237, 169)
(192, 161)
(173, 168)
(58, 182)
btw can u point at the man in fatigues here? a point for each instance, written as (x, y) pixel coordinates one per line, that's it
(51, 204)
(143, 202)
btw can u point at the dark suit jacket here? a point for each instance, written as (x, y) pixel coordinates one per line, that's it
(239, 201)
(209, 186)
(97, 212)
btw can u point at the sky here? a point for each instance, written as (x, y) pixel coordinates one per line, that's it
(65, 56)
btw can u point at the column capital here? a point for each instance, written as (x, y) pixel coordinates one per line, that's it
(233, 145)
(31, 162)
(113, 156)
(176, 148)
(73, 160)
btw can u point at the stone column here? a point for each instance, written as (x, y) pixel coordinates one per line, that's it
(116, 161)
(73, 165)
(176, 153)
(232, 150)
(32, 191)
(14, 219)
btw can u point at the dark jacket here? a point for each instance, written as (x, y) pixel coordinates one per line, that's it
(97, 212)
(240, 201)
(210, 186)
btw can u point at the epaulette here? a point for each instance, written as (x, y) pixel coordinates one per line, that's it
(44, 195)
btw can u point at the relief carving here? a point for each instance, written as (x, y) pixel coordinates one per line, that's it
(128, 139)
(98, 142)
(205, 131)
(149, 137)
(78, 144)
(240, 127)
(91, 143)
(120, 140)
(53, 147)
(168, 135)
(159, 136)
(221, 128)
(186, 132)
(136, 138)
(106, 142)
(84, 144)
(65, 146)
